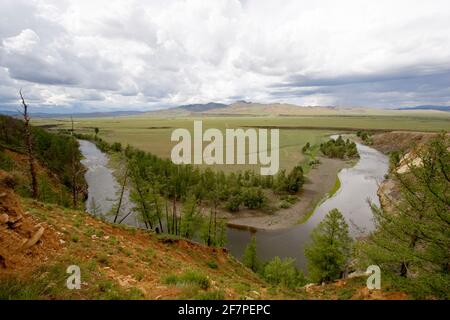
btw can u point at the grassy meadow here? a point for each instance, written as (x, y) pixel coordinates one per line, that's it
(152, 134)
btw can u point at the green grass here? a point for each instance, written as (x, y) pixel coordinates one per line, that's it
(153, 134)
(212, 264)
(190, 277)
(336, 186)
(49, 282)
(210, 295)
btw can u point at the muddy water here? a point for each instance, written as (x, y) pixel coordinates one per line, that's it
(103, 188)
(358, 184)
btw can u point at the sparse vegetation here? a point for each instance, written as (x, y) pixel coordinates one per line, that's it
(190, 277)
(364, 136)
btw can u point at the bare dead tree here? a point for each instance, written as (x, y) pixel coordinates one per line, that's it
(74, 177)
(29, 145)
(77, 169)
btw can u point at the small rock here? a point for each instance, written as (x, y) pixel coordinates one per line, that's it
(61, 241)
(309, 287)
(34, 239)
(4, 218)
(3, 194)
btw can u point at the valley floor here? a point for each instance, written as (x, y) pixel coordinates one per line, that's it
(320, 181)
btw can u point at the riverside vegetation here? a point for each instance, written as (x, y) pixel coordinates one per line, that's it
(415, 261)
(326, 263)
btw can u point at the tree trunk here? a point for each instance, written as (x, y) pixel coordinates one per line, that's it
(142, 201)
(167, 218)
(209, 228)
(158, 212)
(74, 172)
(215, 222)
(174, 214)
(29, 143)
(121, 195)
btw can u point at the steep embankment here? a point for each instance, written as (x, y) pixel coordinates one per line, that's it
(39, 241)
(406, 144)
(403, 141)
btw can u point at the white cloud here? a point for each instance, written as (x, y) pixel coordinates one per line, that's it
(144, 54)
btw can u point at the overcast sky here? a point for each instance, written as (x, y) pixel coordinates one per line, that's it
(135, 55)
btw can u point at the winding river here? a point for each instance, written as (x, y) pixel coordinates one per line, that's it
(358, 185)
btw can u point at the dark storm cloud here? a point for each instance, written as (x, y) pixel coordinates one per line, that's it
(389, 89)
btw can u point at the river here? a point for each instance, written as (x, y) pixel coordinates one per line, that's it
(103, 188)
(358, 184)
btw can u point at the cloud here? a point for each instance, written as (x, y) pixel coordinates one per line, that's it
(114, 54)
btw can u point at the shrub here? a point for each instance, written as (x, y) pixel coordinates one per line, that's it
(233, 203)
(253, 197)
(338, 148)
(210, 295)
(250, 258)
(190, 277)
(284, 273)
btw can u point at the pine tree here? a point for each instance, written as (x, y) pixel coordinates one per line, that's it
(190, 218)
(329, 252)
(250, 258)
(222, 234)
(284, 273)
(412, 239)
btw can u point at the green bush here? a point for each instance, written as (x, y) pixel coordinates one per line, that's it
(210, 295)
(190, 277)
(233, 203)
(6, 163)
(212, 264)
(250, 258)
(338, 148)
(253, 197)
(284, 273)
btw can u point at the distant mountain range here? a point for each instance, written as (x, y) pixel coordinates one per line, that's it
(75, 115)
(427, 107)
(198, 107)
(238, 108)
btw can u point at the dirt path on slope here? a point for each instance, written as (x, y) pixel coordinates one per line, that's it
(319, 182)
